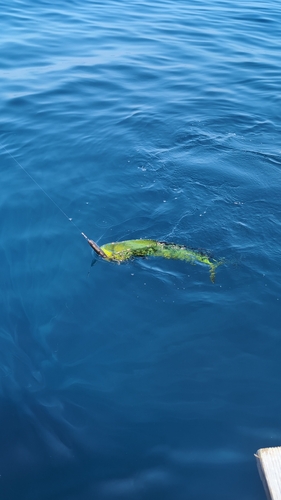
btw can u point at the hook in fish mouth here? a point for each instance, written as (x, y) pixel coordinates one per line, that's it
(97, 249)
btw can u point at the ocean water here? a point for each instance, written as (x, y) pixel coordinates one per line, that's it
(139, 119)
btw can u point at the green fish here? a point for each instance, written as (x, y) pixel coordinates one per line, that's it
(125, 250)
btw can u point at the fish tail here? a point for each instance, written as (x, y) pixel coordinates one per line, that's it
(213, 267)
(213, 273)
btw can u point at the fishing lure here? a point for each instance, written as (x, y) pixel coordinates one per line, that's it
(125, 250)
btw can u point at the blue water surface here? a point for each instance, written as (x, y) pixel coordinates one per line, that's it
(139, 119)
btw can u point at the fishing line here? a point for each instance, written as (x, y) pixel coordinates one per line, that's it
(45, 193)
(125, 250)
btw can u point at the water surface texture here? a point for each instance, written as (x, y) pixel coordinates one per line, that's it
(155, 120)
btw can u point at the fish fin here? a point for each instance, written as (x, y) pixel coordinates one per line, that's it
(213, 267)
(213, 273)
(94, 261)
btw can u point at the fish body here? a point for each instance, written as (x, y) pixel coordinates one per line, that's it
(125, 250)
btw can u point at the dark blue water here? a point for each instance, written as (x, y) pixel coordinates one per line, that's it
(139, 119)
